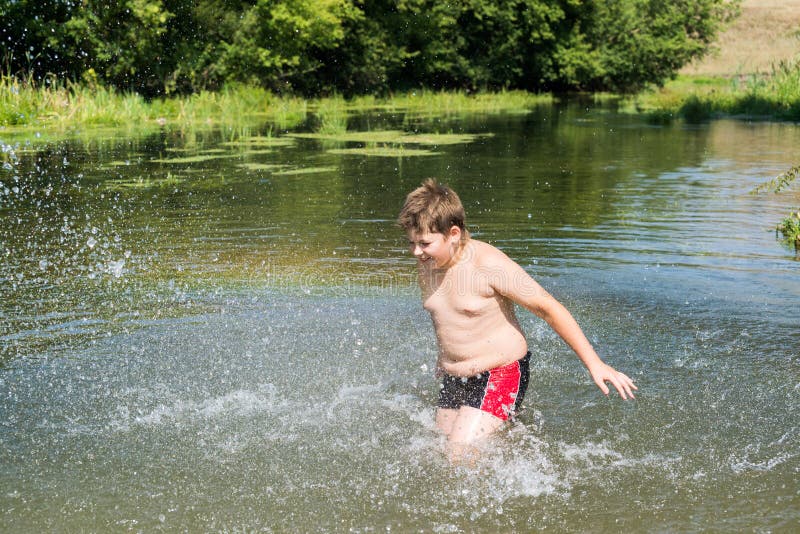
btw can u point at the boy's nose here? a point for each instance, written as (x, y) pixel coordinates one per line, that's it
(416, 250)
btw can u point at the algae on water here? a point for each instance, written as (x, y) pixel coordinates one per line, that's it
(261, 166)
(383, 151)
(395, 137)
(192, 159)
(305, 170)
(261, 142)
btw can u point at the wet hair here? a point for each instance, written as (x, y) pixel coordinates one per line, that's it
(434, 208)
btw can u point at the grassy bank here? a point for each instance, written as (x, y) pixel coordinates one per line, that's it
(59, 106)
(752, 70)
(27, 106)
(771, 96)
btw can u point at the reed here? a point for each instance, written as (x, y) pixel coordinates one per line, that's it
(775, 95)
(332, 115)
(235, 109)
(24, 103)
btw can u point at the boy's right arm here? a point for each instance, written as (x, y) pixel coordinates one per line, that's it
(514, 283)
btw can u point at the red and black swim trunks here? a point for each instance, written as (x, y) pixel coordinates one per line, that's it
(498, 391)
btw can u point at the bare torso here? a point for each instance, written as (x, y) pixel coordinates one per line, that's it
(476, 326)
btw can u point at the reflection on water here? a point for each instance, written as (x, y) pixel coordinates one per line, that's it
(215, 344)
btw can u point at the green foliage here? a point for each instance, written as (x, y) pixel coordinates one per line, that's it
(642, 42)
(790, 228)
(350, 47)
(121, 41)
(775, 95)
(780, 182)
(274, 41)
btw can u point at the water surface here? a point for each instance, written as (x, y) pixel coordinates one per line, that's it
(212, 334)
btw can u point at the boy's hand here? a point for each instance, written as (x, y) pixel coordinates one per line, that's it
(605, 373)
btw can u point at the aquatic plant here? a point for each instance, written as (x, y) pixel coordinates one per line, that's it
(440, 103)
(382, 151)
(780, 182)
(332, 115)
(62, 105)
(260, 141)
(57, 103)
(790, 228)
(192, 159)
(393, 137)
(261, 166)
(304, 170)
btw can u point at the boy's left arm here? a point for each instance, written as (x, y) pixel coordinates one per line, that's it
(517, 285)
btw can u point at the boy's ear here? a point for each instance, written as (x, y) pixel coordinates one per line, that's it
(455, 231)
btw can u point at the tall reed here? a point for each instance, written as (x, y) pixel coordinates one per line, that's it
(772, 96)
(24, 102)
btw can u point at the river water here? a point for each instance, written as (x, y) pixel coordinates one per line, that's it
(209, 332)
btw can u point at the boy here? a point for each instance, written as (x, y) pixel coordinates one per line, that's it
(469, 288)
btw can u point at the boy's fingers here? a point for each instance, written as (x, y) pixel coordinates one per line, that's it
(627, 386)
(602, 385)
(622, 384)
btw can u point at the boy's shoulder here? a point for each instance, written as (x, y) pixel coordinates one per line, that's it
(486, 254)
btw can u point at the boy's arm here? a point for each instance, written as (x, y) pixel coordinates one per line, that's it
(513, 282)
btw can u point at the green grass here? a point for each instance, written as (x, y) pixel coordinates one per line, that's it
(25, 106)
(775, 95)
(28, 108)
(433, 103)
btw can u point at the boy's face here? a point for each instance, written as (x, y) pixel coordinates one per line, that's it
(432, 248)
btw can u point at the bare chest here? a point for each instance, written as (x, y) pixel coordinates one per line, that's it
(459, 293)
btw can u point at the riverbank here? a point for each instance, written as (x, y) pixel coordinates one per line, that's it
(771, 96)
(28, 107)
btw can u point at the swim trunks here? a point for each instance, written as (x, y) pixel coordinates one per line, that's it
(498, 391)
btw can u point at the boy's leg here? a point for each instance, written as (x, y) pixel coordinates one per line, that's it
(445, 417)
(463, 427)
(471, 424)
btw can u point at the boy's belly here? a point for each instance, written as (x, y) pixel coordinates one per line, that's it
(478, 348)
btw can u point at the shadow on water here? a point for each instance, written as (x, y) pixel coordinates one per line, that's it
(194, 339)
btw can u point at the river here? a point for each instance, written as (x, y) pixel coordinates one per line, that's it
(214, 332)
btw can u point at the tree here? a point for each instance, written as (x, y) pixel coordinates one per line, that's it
(273, 42)
(314, 47)
(120, 41)
(640, 42)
